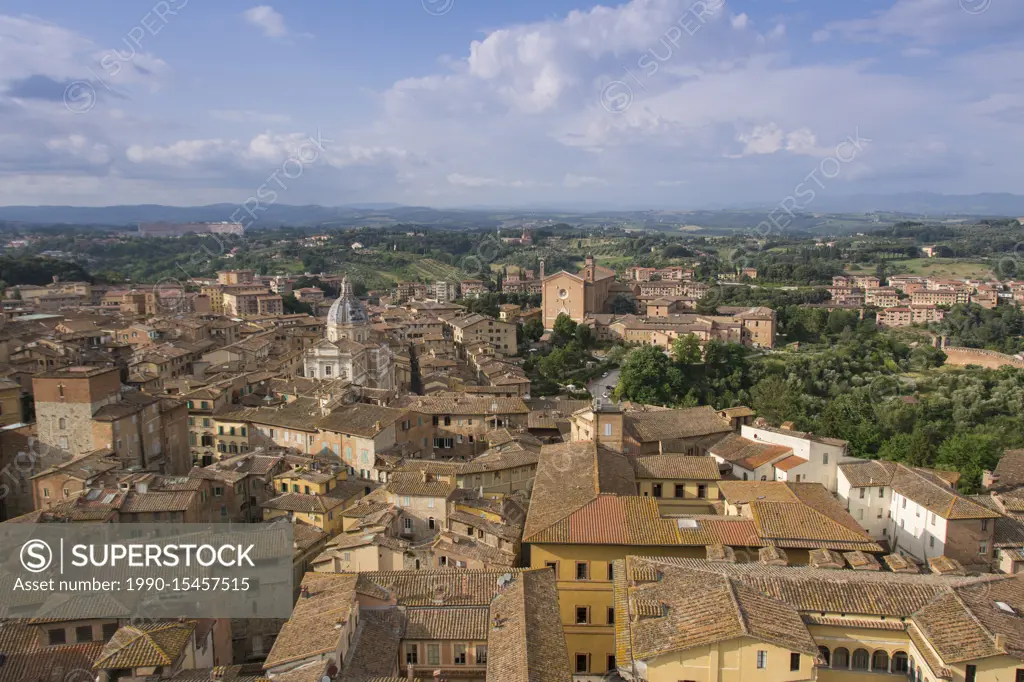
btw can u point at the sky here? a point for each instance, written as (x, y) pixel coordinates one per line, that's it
(532, 103)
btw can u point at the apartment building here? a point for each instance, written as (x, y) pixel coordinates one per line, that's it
(882, 297)
(462, 421)
(904, 316)
(918, 511)
(469, 329)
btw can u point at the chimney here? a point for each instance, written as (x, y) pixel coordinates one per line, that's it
(304, 592)
(542, 268)
(1000, 642)
(376, 426)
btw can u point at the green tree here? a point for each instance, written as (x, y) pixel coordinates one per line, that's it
(564, 328)
(913, 449)
(686, 350)
(970, 454)
(776, 400)
(649, 377)
(533, 329)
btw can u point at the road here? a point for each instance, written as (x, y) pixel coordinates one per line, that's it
(597, 386)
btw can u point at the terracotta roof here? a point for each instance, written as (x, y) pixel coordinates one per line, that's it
(509, 455)
(790, 462)
(675, 424)
(462, 404)
(145, 645)
(1009, 471)
(361, 419)
(685, 609)
(375, 647)
(420, 484)
(445, 623)
(525, 640)
(571, 475)
(139, 503)
(746, 453)
(969, 623)
(310, 631)
(923, 486)
(27, 661)
(677, 467)
(432, 588)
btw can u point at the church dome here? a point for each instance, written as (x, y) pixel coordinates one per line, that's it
(348, 309)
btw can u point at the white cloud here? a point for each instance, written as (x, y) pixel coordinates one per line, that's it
(248, 116)
(267, 19)
(932, 21)
(462, 180)
(740, 21)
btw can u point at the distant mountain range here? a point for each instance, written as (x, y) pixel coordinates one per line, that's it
(921, 203)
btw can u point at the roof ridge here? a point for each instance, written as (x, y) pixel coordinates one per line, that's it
(744, 624)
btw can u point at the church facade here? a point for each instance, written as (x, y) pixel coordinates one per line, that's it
(576, 295)
(349, 352)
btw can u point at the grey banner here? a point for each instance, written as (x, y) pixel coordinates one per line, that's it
(145, 570)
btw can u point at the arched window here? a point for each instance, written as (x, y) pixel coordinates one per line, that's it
(841, 658)
(825, 655)
(880, 660)
(900, 663)
(62, 423)
(860, 659)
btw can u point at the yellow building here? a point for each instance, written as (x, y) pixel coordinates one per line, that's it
(314, 497)
(709, 622)
(469, 329)
(585, 514)
(679, 483)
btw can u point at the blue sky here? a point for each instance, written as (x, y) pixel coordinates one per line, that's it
(649, 103)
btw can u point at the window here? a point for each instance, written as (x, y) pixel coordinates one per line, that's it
(931, 541)
(430, 523)
(841, 658)
(984, 524)
(970, 673)
(57, 636)
(702, 491)
(109, 629)
(794, 661)
(860, 514)
(860, 659)
(459, 657)
(582, 615)
(824, 458)
(62, 423)
(904, 503)
(899, 662)
(656, 490)
(762, 659)
(881, 493)
(583, 665)
(879, 512)
(983, 548)
(607, 429)
(680, 490)
(407, 522)
(826, 655)
(611, 571)
(862, 491)
(933, 518)
(433, 654)
(83, 633)
(64, 442)
(412, 654)
(880, 660)
(611, 615)
(481, 654)
(553, 566)
(582, 570)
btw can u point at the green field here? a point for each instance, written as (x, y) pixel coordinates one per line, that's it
(944, 267)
